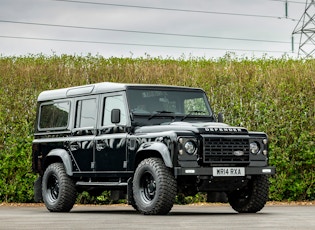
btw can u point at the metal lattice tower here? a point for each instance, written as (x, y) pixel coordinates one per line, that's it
(306, 28)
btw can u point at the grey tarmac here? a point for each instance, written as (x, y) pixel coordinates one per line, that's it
(216, 216)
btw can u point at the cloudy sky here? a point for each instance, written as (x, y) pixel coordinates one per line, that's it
(136, 28)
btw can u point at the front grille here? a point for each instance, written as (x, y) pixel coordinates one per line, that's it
(223, 149)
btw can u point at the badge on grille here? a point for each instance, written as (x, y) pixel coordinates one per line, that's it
(238, 153)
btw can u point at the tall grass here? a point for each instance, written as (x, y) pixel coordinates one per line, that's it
(272, 95)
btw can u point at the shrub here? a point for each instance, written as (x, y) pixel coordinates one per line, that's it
(271, 95)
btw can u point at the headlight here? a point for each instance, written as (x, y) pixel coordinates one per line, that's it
(187, 146)
(254, 148)
(190, 147)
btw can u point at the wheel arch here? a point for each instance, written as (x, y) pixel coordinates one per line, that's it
(62, 156)
(154, 149)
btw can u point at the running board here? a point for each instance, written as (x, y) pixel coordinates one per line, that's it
(102, 184)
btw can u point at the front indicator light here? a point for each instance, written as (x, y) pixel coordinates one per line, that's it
(265, 152)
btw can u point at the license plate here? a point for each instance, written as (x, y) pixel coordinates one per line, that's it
(228, 171)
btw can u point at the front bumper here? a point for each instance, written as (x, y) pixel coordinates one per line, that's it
(208, 171)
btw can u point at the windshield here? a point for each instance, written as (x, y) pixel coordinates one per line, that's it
(177, 104)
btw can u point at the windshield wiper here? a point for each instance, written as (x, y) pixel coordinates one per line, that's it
(162, 112)
(191, 112)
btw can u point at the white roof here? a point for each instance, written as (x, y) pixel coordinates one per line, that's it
(80, 90)
(104, 87)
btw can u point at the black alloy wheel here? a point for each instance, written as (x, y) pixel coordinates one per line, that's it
(154, 187)
(58, 189)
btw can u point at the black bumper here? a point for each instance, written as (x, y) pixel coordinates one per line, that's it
(249, 171)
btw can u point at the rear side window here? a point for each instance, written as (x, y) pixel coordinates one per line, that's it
(86, 113)
(54, 116)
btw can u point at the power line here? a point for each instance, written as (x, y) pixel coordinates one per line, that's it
(174, 9)
(287, 1)
(136, 44)
(141, 32)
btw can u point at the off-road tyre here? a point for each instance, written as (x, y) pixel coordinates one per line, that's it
(154, 187)
(251, 198)
(58, 189)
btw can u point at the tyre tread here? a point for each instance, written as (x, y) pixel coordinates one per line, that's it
(67, 191)
(259, 190)
(165, 201)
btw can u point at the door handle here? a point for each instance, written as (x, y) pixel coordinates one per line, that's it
(100, 146)
(74, 146)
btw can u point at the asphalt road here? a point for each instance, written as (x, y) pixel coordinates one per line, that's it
(181, 217)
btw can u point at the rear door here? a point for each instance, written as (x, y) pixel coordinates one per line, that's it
(83, 134)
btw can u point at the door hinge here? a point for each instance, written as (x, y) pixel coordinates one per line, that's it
(93, 165)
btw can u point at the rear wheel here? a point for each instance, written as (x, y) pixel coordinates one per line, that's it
(58, 190)
(154, 187)
(251, 198)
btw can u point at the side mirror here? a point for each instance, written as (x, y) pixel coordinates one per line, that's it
(220, 117)
(115, 116)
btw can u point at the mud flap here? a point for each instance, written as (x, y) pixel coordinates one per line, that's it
(129, 192)
(38, 197)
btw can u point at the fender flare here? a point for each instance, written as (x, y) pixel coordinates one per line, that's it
(159, 147)
(64, 156)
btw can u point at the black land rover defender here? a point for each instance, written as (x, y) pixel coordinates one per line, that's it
(149, 142)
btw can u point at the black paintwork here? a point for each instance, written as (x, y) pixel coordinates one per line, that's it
(106, 156)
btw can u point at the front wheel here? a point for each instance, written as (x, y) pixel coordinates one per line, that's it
(58, 190)
(253, 197)
(154, 187)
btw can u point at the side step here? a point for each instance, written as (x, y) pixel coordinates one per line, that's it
(101, 184)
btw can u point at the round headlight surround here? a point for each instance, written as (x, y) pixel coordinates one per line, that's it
(254, 147)
(190, 147)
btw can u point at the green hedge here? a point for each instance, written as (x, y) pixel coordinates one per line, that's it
(272, 95)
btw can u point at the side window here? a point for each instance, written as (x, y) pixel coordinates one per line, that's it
(110, 103)
(54, 116)
(86, 113)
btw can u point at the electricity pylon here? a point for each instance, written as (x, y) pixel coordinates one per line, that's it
(306, 28)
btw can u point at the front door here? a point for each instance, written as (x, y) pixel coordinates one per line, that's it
(110, 143)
